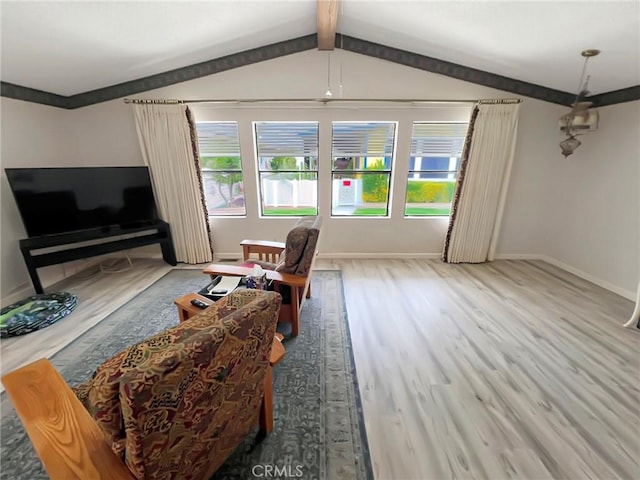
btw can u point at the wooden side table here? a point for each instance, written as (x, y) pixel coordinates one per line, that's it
(186, 310)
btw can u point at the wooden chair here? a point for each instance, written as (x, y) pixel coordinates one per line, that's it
(65, 436)
(72, 444)
(288, 265)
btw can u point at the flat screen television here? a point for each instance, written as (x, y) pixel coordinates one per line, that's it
(61, 200)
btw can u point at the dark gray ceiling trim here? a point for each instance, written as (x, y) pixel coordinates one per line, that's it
(453, 70)
(27, 94)
(217, 65)
(617, 96)
(191, 72)
(301, 44)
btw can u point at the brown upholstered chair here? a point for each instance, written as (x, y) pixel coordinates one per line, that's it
(288, 266)
(173, 406)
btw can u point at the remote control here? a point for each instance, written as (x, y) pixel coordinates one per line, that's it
(198, 303)
(218, 292)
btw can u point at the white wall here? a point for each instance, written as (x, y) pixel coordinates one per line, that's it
(41, 136)
(303, 75)
(522, 232)
(104, 134)
(32, 136)
(591, 202)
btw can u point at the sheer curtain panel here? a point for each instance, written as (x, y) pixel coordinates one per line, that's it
(482, 185)
(165, 140)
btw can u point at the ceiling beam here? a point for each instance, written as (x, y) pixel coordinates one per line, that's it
(327, 23)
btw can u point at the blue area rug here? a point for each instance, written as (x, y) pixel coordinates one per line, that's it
(319, 429)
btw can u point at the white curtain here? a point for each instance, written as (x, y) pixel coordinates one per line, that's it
(482, 191)
(165, 141)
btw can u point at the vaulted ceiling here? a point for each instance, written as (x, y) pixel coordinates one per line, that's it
(67, 48)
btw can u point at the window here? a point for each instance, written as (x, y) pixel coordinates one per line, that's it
(287, 154)
(436, 149)
(361, 160)
(221, 167)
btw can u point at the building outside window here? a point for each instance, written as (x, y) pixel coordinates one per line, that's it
(287, 156)
(221, 166)
(361, 163)
(436, 149)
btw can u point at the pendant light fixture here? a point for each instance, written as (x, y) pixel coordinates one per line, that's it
(580, 119)
(340, 89)
(328, 93)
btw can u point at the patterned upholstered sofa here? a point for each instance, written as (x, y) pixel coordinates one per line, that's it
(178, 403)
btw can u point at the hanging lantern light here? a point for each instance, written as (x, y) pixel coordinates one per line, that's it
(580, 119)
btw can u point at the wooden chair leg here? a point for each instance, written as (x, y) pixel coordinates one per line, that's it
(266, 407)
(246, 252)
(309, 291)
(296, 295)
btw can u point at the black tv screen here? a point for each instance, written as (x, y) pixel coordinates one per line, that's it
(61, 200)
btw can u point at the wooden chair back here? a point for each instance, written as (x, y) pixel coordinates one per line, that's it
(65, 436)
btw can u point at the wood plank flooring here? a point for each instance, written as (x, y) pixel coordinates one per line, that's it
(506, 370)
(98, 293)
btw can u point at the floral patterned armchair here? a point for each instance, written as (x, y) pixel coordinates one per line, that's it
(173, 406)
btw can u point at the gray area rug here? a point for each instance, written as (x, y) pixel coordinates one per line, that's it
(319, 429)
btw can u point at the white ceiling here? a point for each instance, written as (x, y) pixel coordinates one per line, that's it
(73, 47)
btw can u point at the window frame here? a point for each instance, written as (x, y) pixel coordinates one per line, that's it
(354, 173)
(451, 173)
(286, 171)
(239, 170)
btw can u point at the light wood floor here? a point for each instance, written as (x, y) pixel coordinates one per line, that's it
(99, 294)
(505, 370)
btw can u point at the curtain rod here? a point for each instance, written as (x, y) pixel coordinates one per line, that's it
(318, 100)
(499, 100)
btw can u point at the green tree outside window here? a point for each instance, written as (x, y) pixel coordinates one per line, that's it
(375, 186)
(222, 171)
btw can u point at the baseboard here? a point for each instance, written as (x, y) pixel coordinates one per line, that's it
(573, 270)
(502, 256)
(518, 256)
(221, 257)
(235, 256)
(589, 277)
(362, 256)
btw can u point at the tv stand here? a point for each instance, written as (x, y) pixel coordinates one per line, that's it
(139, 236)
